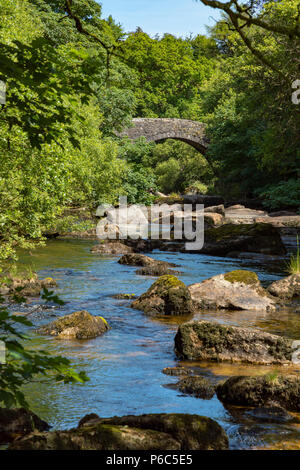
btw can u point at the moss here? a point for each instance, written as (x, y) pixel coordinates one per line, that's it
(167, 282)
(212, 335)
(246, 277)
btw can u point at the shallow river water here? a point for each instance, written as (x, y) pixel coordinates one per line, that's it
(125, 364)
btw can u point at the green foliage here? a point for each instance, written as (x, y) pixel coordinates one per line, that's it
(170, 71)
(23, 365)
(197, 187)
(282, 194)
(178, 166)
(253, 125)
(139, 186)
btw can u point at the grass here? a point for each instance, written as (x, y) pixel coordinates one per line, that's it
(293, 265)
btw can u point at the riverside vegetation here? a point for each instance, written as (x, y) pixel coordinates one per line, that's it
(73, 81)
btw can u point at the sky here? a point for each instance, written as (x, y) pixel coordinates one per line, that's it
(178, 17)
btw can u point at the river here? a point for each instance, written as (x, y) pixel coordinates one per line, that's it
(125, 364)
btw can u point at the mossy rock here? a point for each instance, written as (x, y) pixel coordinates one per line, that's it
(78, 325)
(202, 340)
(138, 259)
(261, 390)
(235, 290)
(256, 238)
(28, 286)
(159, 270)
(146, 432)
(167, 296)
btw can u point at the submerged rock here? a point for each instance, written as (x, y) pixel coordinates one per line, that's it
(175, 371)
(286, 288)
(271, 413)
(17, 422)
(79, 325)
(236, 290)
(124, 296)
(202, 340)
(258, 391)
(111, 248)
(197, 386)
(167, 296)
(145, 432)
(258, 237)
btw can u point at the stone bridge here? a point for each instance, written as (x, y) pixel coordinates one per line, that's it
(158, 130)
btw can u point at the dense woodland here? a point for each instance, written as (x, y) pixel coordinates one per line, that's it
(74, 78)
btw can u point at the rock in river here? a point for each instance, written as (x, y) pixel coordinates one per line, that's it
(79, 325)
(202, 340)
(146, 432)
(167, 296)
(286, 288)
(137, 259)
(260, 390)
(156, 270)
(236, 290)
(256, 238)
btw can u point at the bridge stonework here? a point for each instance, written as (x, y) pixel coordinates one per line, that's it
(159, 129)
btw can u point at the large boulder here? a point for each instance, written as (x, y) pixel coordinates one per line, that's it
(79, 325)
(259, 238)
(111, 248)
(236, 290)
(123, 221)
(202, 340)
(167, 296)
(145, 432)
(17, 422)
(286, 288)
(261, 390)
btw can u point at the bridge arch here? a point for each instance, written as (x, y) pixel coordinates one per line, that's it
(160, 129)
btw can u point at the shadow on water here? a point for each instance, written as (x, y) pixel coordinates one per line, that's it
(125, 364)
